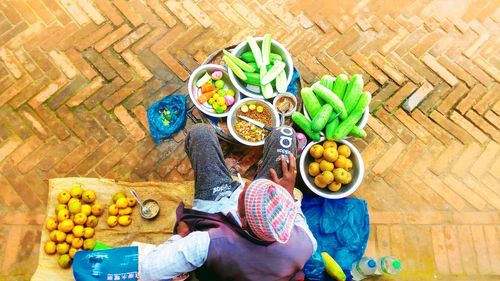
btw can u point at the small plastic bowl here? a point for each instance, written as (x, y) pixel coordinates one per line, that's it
(278, 97)
(154, 206)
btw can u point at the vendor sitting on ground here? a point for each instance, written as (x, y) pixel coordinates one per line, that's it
(235, 232)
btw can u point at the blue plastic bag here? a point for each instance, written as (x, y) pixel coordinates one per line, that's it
(341, 228)
(166, 117)
(292, 87)
(106, 265)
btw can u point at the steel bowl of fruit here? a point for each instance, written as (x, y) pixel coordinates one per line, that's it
(211, 90)
(331, 169)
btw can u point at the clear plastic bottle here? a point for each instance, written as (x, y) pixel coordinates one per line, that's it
(390, 265)
(365, 267)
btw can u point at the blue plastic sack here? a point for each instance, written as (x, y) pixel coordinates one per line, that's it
(106, 265)
(166, 117)
(341, 228)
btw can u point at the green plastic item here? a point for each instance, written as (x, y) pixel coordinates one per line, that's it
(101, 246)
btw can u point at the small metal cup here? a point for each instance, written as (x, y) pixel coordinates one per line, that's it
(152, 214)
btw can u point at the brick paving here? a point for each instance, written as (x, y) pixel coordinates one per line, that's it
(77, 76)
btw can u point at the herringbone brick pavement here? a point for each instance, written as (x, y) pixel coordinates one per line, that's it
(76, 77)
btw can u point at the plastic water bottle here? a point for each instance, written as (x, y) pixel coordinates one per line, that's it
(390, 265)
(301, 142)
(365, 267)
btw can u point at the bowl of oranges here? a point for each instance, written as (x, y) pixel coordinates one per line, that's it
(331, 169)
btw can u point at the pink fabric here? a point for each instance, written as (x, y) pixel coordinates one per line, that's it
(270, 210)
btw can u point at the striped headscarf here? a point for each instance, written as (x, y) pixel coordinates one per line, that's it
(270, 210)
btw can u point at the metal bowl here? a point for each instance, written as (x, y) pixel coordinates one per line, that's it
(289, 96)
(276, 48)
(357, 172)
(194, 91)
(231, 119)
(153, 214)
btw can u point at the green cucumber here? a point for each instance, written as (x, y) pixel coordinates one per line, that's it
(330, 98)
(330, 128)
(357, 132)
(241, 64)
(320, 100)
(353, 92)
(319, 121)
(363, 101)
(340, 85)
(266, 49)
(248, 57)
(257, 68)
(255, 50)
(253, 78)
(273, 72)
(333, 116)
(346, 126)
(237, 71)
(274, 57)
(327, 81)
(349, 124)
(301, 121)
(310, 101)
(281, 82)
(265, 89)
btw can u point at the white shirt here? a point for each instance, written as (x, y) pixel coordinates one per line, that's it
(185, 254)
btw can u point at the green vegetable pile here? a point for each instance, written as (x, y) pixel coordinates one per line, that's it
(335, 105)
(259, 67)
(166, 116)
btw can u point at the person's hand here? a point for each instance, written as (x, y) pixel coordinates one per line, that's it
(289, 173)
(182, 229)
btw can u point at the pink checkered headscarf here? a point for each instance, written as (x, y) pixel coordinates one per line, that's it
(270, 210)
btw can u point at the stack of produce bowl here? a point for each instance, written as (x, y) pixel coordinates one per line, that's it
(260, 68)
(335, 109)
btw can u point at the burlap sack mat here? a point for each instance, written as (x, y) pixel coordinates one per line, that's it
(169, 195)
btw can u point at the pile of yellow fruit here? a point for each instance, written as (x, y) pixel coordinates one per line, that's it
(331, 165)
(119, 212)
(73, 228)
